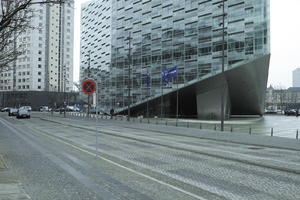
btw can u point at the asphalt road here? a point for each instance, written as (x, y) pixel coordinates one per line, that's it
(56, 159)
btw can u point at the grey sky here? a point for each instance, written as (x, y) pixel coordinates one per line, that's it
(285, 41)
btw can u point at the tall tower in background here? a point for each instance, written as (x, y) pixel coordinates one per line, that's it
(47, 60)
(296, 77)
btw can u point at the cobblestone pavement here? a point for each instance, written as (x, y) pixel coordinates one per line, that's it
(209, 169)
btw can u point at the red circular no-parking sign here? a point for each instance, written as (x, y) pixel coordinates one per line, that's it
(88, 87)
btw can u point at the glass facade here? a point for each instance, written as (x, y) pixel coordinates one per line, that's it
(187, 34)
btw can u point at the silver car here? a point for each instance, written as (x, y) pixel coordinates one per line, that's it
(23, 113)
(13, 112)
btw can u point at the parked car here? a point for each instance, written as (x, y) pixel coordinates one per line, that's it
(13, 112)
(6, 109)
(26, 107)
(289, 112)
(44, 109)
(23, 113)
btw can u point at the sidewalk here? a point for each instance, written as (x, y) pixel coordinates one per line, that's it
(10, 187)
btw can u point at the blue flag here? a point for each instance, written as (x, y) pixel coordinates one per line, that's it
(148, 80)
(169, 74)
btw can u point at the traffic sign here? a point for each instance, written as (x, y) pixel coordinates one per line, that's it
(88, 87)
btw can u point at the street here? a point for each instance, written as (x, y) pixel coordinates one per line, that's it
(73, 158)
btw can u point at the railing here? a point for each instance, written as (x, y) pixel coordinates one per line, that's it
(250, 129)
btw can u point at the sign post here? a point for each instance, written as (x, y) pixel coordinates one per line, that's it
(88, 87)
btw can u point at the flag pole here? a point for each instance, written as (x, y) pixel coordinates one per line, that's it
(177, 99)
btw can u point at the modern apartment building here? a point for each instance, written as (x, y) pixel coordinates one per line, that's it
(135, 41)
(47, 60)
(296, 77)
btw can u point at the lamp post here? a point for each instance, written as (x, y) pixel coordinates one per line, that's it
(129, 38)
(223, 65)
(65, 81)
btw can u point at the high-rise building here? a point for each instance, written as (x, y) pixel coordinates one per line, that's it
(47, 60)
(296, 77)
(134, 42)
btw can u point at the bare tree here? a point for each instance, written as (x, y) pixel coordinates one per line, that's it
(15, 16)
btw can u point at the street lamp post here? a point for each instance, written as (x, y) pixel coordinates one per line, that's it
(129, 80)
(223, 66)
(65, 81)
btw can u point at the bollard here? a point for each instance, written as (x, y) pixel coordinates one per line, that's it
(231, 128)
(156, 121)
(148, 121)
(297, 134)
(188, 125)
(215, 127)
(250, 130)
(271, 132)
(166, 122)
(200, 127)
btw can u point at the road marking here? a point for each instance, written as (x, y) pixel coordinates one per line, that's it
(9, 125)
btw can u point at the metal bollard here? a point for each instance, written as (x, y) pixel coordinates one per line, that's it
(215, 128)
(166, 122)
(250, 130)
(297, 134)
(156, 121)
(271, 132)
(200, 127)
(231, 128)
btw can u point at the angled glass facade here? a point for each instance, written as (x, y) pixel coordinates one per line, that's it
(187, 34)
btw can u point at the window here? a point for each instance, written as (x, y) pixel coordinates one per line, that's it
(39, 80)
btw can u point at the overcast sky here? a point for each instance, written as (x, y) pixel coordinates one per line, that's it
(285, 41)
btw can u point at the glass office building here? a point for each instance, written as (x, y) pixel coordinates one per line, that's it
(147, 37)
